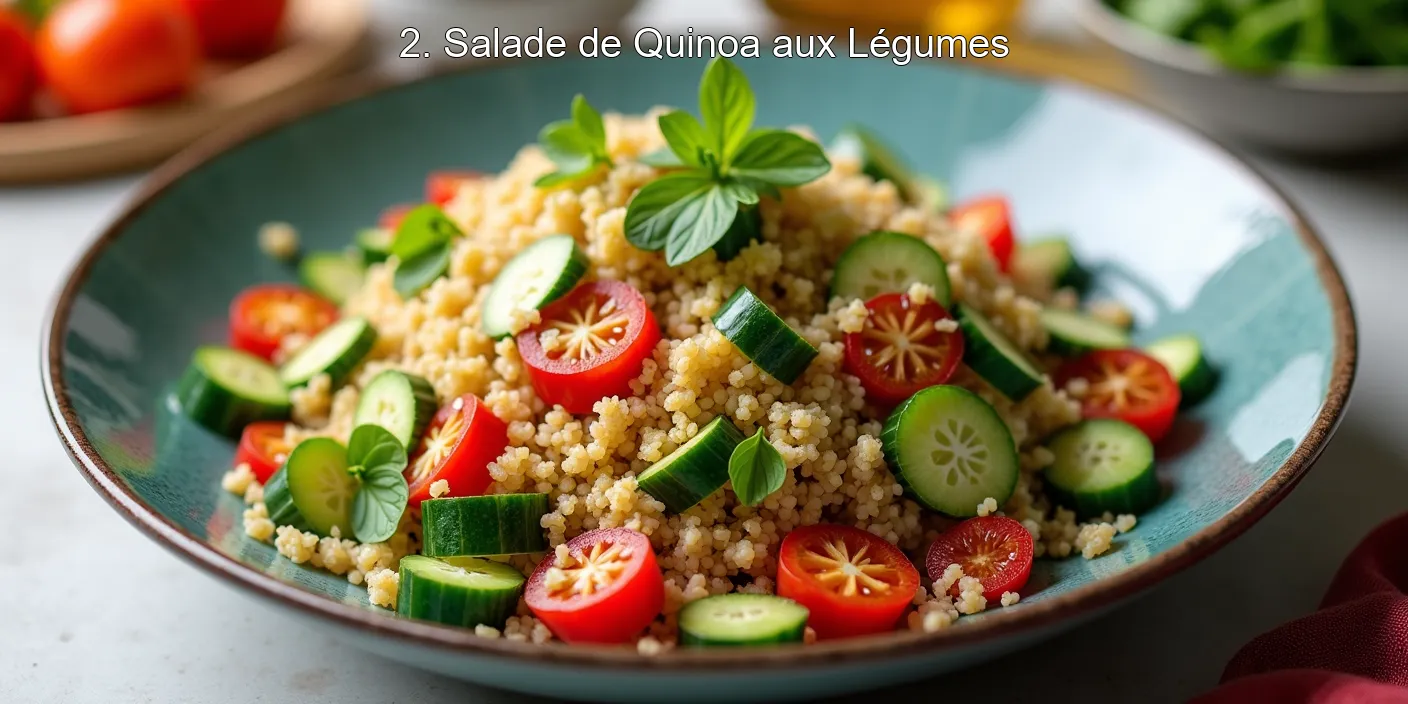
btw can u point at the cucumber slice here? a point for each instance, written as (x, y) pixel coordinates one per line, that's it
(336, 351)
(1051, 263)
(279, 500)
(541, 273)
(1102, 465)
(742, 620)
(695, 469)
(333, 275)
(375, 244)
(999, 362)
(877, 160)
(458, 591)
(500, 524)
(763, 337)
(225, 390)
(932, 193)
(399, 402)
(1075, 333)
(1183, 356)
(950, 450)
(319, 485)
(889, 262)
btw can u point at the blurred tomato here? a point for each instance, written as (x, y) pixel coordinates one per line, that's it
(237, 28)
(106, 54)
(17, 67)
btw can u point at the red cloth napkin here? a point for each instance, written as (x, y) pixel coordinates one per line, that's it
(1353, 650)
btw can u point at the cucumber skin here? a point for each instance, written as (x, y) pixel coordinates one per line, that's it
(753, 334)
(747, 228)
(373, 252)
(787, 635)
(338, 370)
(1137, 496)
(570, 276)
(308, 273)
(279, 500)
(214, 407)
(990, 363)
(470, 526)
(708, 471)
(1064, 347)
(425, 406)
(1198, 383)
(429, 600)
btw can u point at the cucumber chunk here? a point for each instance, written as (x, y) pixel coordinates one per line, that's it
(695, 469)
(993, 357)
(1075, 333)
(1184, 358)
(336, 351)
(375, 244)
(400, 403)
(950, 450)
(742, 620)
(333, 275)
(319, 485)
(1102, 465)
(279, 500)
(1051, 264)
(458, 591)
(225, 390)
(499, 524)
(536, 276)
(889, 262)
(763, 337)
(877, 160)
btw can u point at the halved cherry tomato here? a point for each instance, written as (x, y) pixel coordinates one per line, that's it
(995, 549)
(441, 187)
(991, 217)
(900, 351)
(263, 448)
(391, 217)
(608, 592)
(18, 70)
(262, 316)
(107, 54)
(237, 28)
(590, 344)
(853, 582)
(463, 438)
(1127, 385)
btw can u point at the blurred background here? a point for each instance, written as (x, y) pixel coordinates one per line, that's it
(1313, 92)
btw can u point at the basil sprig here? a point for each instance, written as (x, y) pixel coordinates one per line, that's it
(576, 146)
(726, 164)
(422, 249)
(378, 460)
(756, 470)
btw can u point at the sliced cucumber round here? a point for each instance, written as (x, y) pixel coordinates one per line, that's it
(999, 362)
(877, 160)
(333, 275)
(763, 337)
(279, 501)
(742, 620)
(499, 524)
(1075, 333)
(1184, 358)
(950, 450)
(695, 469)
(400, 403)
(374, 244)
(319, 485)
(336, 351)
(889, 262)
(1051, 263)
(1102, 465)
(536, 276)
(458, 591)
(225, 390)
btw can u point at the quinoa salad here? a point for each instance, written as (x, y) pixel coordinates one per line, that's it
(676, 381)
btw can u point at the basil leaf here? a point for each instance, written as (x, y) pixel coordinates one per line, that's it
(413, 275)
(373, 446)
(661, 159)
(686, 137)
(727, 105)
(703, 220)
(740, 191)
(423, 229)
(589, 122)
(651, 213)
(756, 470)
(379, 503)
(780, 158)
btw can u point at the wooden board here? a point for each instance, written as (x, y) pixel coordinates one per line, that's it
(324, 38)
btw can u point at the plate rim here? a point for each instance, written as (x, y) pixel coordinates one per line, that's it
(1087, 600)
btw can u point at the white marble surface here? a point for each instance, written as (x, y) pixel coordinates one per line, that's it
(92, 611)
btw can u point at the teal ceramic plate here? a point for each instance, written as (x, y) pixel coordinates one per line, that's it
(1191, 237)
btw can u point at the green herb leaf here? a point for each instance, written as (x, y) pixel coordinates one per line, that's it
(373, 446)
(780, 158)
(661, 159)
(746, 229)
(575, 146)
(756, 470)
(421, 230)
(700, 224)
(686, 137)
(589, 121)
(740, 191)
(382, 498)
(413, 275)
(727, 105)
(651, 213)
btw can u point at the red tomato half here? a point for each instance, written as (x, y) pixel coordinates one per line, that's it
(237, 28)
(441, 187)
(608, 592)
(1127, 385)
(262, 316)
(852, 582)
(590, 344)
(263, 448)
(995, 549)
(991, 217)
(391, 217)
(900, 352)
(463, 438)
(18, 69)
